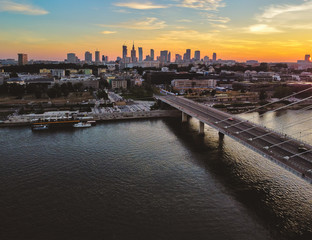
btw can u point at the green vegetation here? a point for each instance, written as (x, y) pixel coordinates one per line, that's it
(282, 91)
(102, 94)
(219, 106)
(40, 90)
(144, 92)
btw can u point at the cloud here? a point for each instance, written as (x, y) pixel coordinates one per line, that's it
(15, 7)
(185, 36)
(214, 18)
(149, 23)
(108, 32)
(280, 18)
(207, 5)
(139, 6)
(263, 29)
(185, 20)
(275, 11)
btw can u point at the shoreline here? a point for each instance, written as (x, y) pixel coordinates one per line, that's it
(113, 117)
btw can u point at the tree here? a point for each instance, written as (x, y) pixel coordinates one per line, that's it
(282, 91)
(78, 87)
(103, 84)
(16, 90)
(64, 89)
(38, 93)
(262, 95)
(4, 89)
(13, 74)
(102, 94)
(52, 92)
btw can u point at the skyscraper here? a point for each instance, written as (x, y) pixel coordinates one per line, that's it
(97, 56)
(188, 54)
(124, 52)
(164, 56)
(71, 58)
(152, 55)
(22, 59)
(307, 58)
(214, 57)
(197, 56)
(133, 55)
(88, 57)
(169, 57)
(178, 58)
(140, 54)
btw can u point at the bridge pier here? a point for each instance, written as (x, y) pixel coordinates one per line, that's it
(184, 117)
(201, 128)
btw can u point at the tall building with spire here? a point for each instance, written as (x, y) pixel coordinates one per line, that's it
(133, 55)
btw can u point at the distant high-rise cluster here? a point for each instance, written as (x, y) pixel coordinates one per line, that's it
(164, 57)
(137, 58)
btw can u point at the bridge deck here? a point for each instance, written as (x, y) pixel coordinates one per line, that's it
(246, 133)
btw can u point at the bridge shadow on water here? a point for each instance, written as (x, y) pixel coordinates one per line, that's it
(277, 204)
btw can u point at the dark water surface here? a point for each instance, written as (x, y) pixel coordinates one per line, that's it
(145, 180)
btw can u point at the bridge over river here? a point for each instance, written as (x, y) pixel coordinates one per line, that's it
(284, 150)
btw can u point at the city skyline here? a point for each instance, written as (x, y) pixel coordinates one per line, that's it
(240, 30)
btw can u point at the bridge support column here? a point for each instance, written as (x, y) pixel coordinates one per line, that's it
(221, 135)
(184, 117)
(201, 128)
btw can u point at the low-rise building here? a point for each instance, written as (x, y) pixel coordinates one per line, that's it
(117, 83)
(183, 84)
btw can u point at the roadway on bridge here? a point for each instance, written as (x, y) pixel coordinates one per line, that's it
(248, 134)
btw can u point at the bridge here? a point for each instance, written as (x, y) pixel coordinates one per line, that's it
(290, 153)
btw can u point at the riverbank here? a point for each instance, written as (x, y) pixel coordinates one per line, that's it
(22, 122)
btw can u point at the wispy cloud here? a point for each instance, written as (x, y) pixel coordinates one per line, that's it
(184, 36)
(140, 5)
(279, 18)
(185, 20)
(275, 11)
(108, 32)
(15, 7)
(207, 5)
(262, 29)
(149, 23)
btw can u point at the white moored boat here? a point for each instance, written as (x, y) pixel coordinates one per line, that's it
(82, 125)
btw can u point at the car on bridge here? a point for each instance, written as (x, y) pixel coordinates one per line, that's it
(302, 148)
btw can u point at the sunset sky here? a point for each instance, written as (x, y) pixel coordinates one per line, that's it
(265, 30)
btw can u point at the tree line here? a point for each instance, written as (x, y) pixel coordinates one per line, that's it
(40, 90)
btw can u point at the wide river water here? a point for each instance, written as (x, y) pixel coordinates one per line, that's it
(149, 179)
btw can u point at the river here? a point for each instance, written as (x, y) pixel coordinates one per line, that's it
(149, 179)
